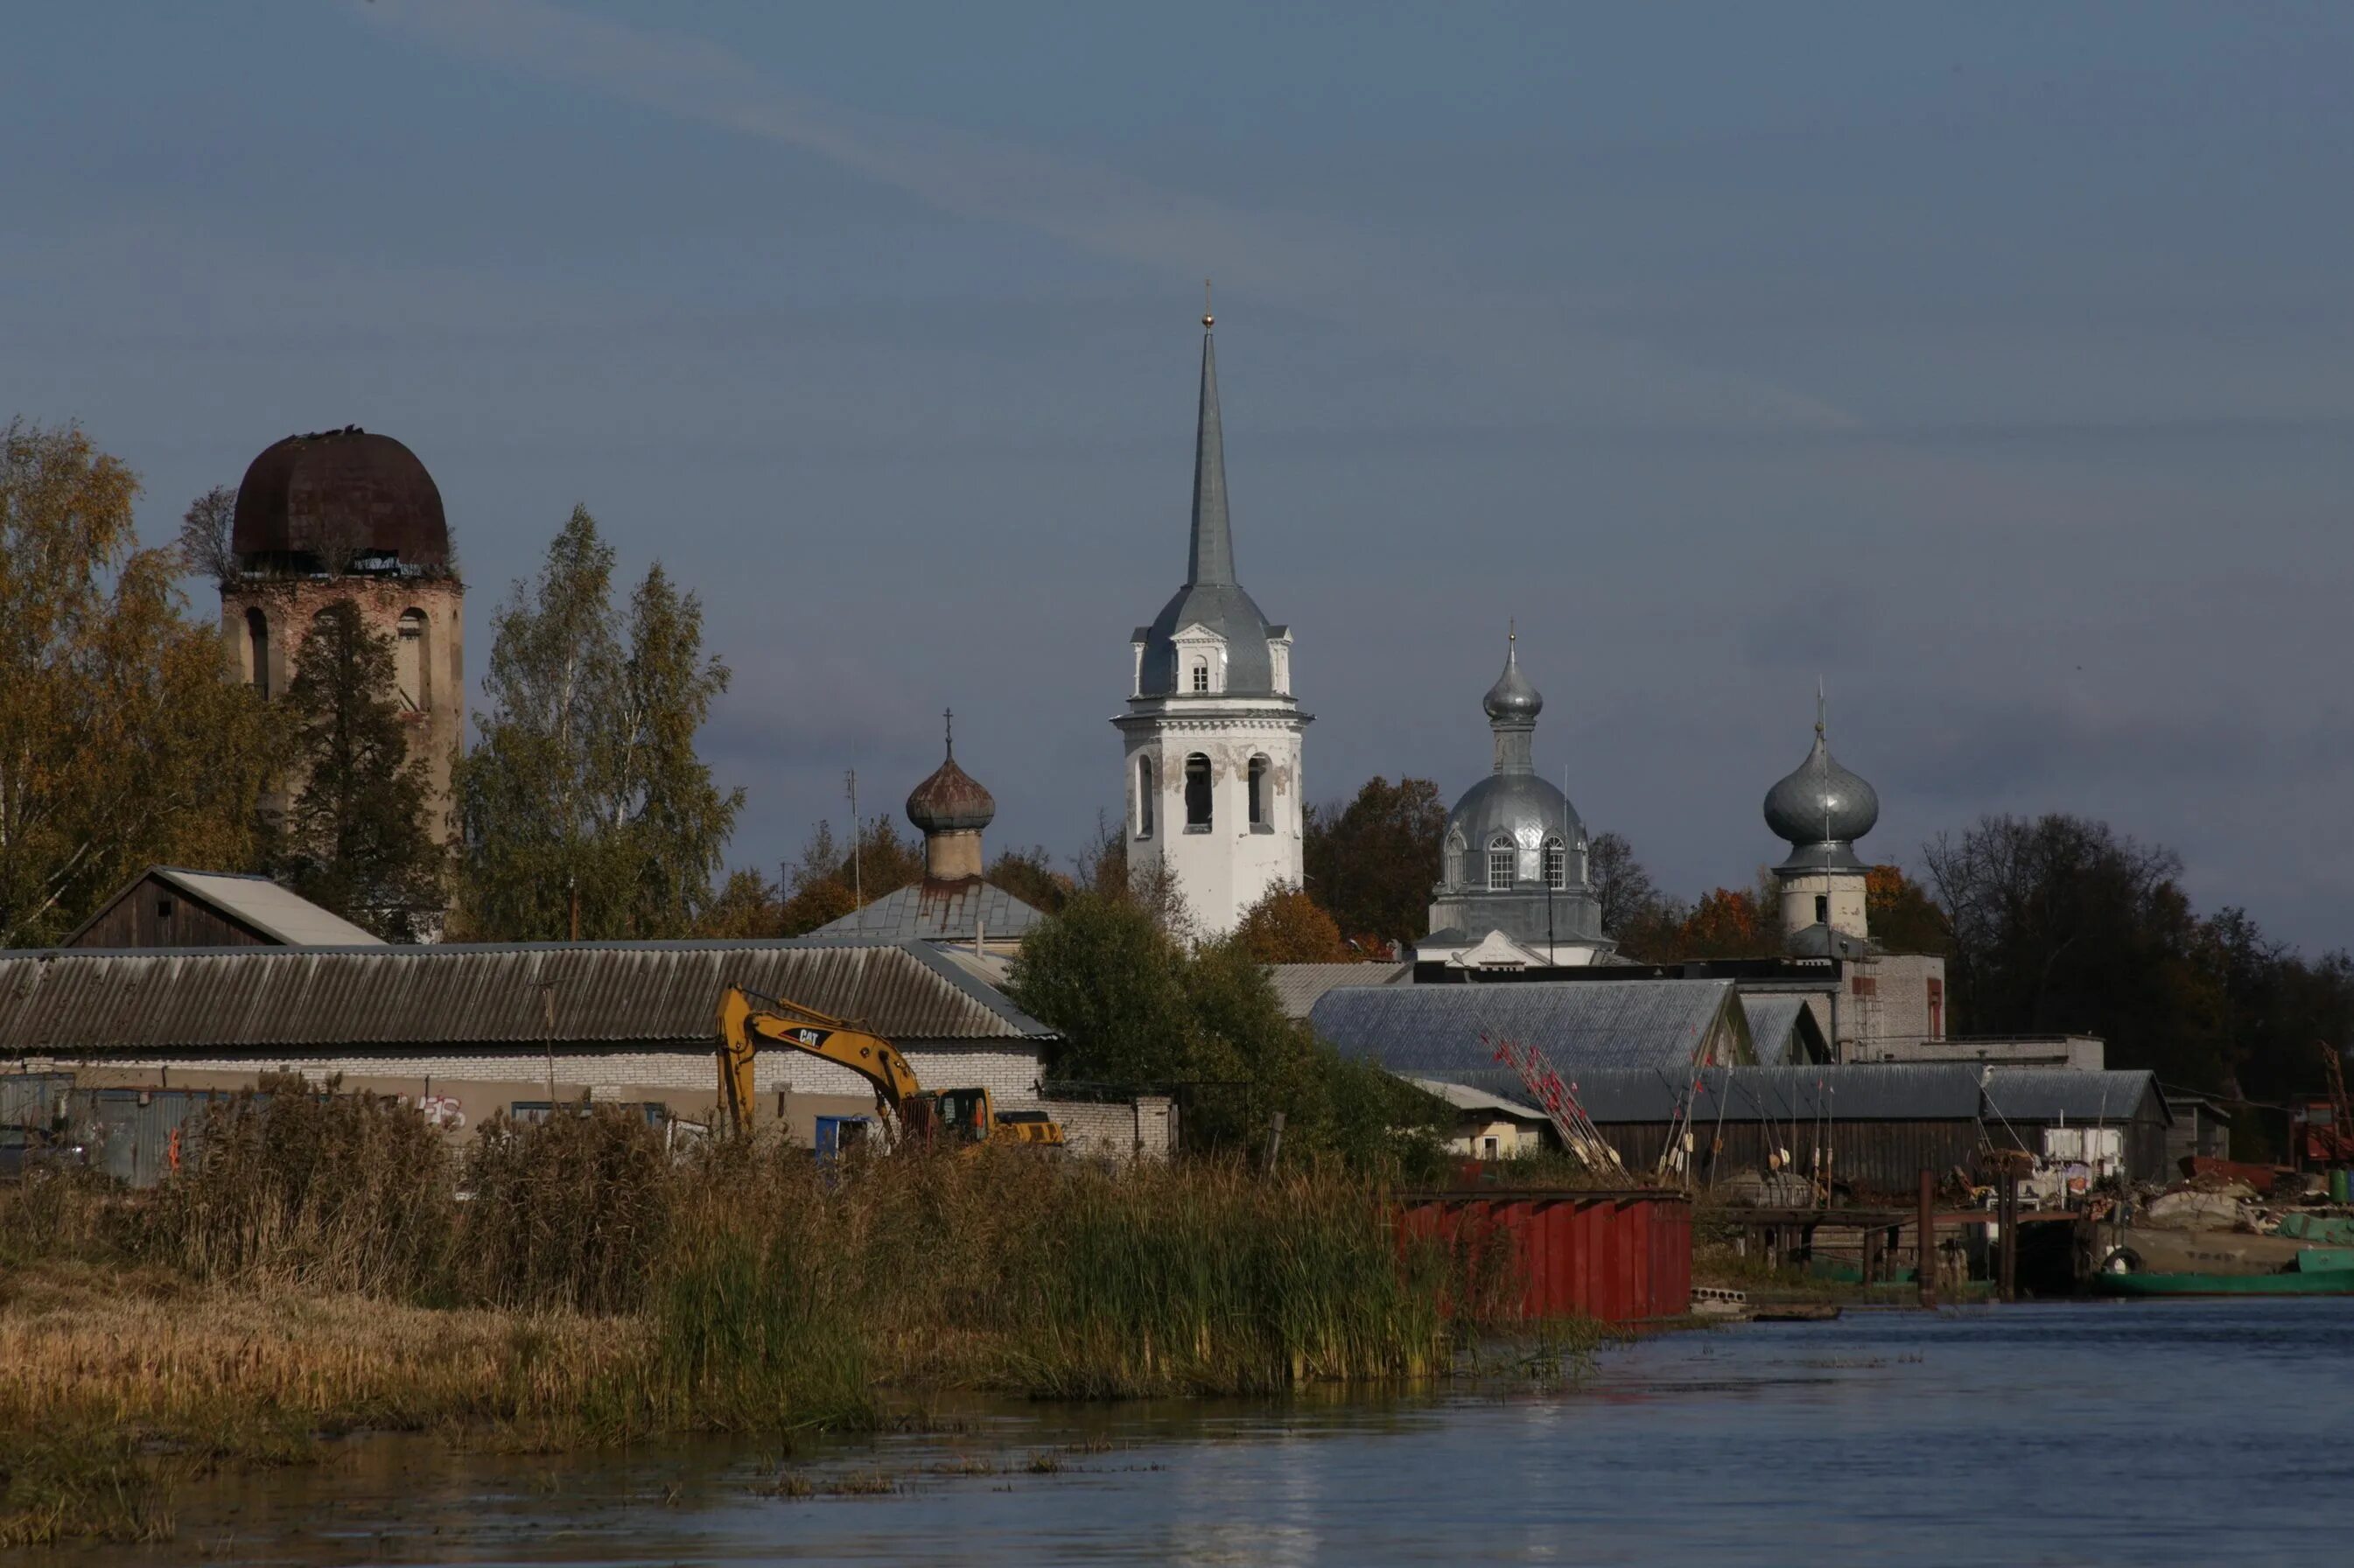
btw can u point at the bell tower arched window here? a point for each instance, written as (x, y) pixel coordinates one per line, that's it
(1260, 818)
(408, 660)
(1147, 782)
(257, 653)
(1500, 863)
(1201, 677)
(1197, 793)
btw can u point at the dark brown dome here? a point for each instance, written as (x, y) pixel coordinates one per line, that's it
(333, 490)
(951, 802)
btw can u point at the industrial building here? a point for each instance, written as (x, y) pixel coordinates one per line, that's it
(468, 1031)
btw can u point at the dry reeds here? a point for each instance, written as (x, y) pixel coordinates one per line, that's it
(321, 1263)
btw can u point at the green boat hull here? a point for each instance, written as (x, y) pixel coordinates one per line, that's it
(2307, 1282)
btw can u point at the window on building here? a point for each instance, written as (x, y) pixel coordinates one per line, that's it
(163, 909)
(1556, 864)
(1197, 794)
(1864, 985)
(408, 660)
(1937, 1009)
(1499, 864)
(1145, 791)
(257, 653)
(1823, 909)
(1487, 1148)
(1201, 674)
(1259, 793)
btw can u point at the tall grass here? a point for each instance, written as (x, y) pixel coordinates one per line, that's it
(323, 1263)
(332, 1193)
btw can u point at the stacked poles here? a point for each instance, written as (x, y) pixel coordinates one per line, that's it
(1559, 1100)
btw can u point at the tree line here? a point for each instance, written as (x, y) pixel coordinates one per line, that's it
(2048, 925)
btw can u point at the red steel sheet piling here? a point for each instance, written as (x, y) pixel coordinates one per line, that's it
(1617, 1257)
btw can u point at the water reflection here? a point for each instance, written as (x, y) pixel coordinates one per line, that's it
(2059, 1435)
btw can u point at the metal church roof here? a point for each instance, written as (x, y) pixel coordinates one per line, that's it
(620, 993)
(932, 911)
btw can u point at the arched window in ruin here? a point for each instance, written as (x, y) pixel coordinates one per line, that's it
(408, 664)
(257, 653)
(1197, 793)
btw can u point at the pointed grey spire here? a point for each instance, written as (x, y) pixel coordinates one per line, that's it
(1213, 558)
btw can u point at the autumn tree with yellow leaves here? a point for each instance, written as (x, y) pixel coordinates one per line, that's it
(121, 745)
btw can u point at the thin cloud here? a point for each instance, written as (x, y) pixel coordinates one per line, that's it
(1317, 269)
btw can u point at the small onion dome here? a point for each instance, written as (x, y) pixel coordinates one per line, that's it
(949, 801)
(1821, 802)
(1511, 700)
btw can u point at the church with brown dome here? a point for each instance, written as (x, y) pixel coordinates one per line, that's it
(351, 514)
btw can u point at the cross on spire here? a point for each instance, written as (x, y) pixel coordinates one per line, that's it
(948, 721)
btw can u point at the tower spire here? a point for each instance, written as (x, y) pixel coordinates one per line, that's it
(1211, 561)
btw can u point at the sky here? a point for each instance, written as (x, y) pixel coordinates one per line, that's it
(1994, 364)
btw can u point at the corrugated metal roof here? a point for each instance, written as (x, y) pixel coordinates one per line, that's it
(1463, 1097)
(1297, 985)
(1434, 1031)
(617, 993)
(934, 912)
(2048, 1093)
(1876, 1091)
(1783, 1029)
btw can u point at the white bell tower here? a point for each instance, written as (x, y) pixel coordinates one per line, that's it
(1211, 738)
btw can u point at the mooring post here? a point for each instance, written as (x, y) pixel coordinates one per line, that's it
(2010, 1251)
(1925, 1268)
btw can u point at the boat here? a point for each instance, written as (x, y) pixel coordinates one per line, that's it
(2227, 1266)
(2291, 1282)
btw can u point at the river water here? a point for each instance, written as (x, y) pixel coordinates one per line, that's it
(2151, 1433)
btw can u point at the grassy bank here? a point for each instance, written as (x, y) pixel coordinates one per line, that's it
(325, 1266)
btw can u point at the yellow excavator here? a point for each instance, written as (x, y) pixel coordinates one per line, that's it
(966, 1117)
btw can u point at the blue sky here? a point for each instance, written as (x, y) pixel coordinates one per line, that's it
(1993, 363)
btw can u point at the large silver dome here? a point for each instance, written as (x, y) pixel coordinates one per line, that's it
(1821, 802)
(1521, 807)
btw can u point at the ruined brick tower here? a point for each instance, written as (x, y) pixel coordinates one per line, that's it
(349, 515)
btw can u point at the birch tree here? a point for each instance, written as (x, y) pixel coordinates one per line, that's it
(585, 810)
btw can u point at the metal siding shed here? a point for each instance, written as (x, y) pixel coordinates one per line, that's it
(1861, 1092)
(2049, 1094)
(1434, 1030)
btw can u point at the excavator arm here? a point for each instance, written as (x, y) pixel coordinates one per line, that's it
(746, 1019)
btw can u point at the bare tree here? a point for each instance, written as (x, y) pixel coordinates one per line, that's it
(205, 534)
(1622, 887)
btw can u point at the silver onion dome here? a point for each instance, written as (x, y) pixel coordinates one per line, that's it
(1511, 700)
(1821, 802)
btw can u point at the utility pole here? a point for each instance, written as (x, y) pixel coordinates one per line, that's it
(857, 876)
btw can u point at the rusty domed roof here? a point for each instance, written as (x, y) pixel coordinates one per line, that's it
(950, 800)
(334, 490)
